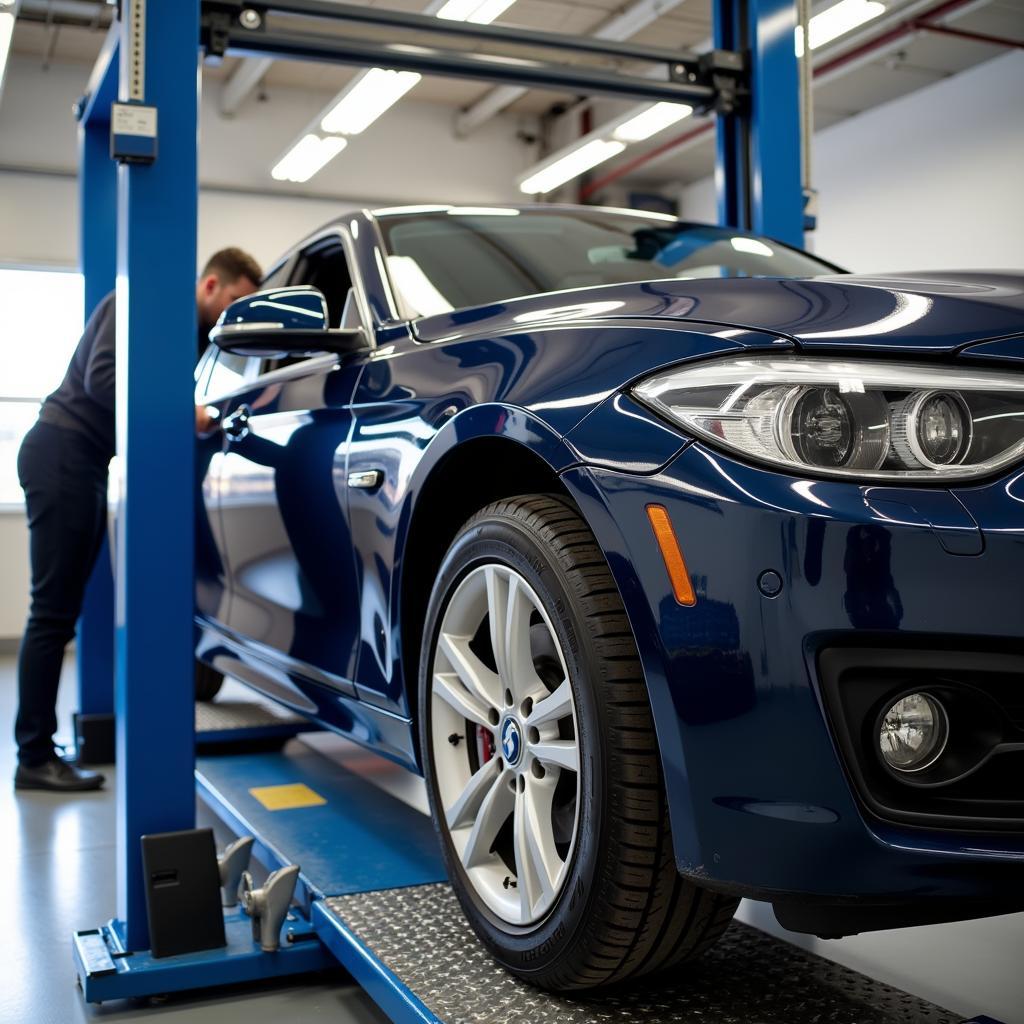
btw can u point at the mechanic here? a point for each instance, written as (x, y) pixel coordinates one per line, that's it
(62, 467)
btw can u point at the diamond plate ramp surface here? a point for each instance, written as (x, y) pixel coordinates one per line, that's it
(421, 935)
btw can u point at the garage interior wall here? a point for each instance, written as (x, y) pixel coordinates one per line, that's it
(927, 181)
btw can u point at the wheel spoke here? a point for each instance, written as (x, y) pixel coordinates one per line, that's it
(537, 860)
(509, 610)
(466, 806)
(449, 688)
(552, 708)
(475, 675)
(559, 753)
(494, 810)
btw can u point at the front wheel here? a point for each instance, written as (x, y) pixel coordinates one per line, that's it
(541, 758)
(208, 682)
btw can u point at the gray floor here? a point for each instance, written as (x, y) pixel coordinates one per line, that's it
(57, 859)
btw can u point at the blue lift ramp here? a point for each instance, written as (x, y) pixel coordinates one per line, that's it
(373, 896)
(377, 896)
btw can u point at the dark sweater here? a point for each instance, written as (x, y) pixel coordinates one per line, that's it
(84, 402)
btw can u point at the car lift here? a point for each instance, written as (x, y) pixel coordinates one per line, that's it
(371, 893)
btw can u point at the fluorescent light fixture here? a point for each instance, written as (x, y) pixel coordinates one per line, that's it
(416, 288)
(479, 12)
(570, 166)
(649, 122)
(837, 21)
(374, 93)
(307, 156)
(7, 13)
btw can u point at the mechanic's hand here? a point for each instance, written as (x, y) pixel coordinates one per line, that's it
(206, 420)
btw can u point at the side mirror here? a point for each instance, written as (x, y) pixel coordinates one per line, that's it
(282, 322)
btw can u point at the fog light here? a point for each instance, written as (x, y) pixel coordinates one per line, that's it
(913, 733)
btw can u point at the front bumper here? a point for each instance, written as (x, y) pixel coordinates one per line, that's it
(761, 802)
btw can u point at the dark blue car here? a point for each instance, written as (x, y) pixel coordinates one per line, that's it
(683, 566)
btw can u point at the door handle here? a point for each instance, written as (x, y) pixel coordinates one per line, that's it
(236, 426)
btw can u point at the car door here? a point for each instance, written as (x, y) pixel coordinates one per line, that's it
(219, 376)
(284, 502)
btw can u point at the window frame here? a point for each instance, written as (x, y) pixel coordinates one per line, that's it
(18, 507)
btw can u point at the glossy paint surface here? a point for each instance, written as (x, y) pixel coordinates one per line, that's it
(307, 517)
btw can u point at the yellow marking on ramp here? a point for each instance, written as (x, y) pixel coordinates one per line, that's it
(287, 797)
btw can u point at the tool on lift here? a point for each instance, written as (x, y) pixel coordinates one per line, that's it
(232, 862)
(268, 905)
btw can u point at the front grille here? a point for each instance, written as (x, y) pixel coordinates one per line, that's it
(978, 782)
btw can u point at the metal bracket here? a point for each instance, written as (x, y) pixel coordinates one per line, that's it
(726, 72)
(232, 863)
(268, 905)
(217, 20)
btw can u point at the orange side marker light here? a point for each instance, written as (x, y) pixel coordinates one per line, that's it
(672, 554)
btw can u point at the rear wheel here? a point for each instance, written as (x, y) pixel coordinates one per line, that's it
(541, 759)
(208, 682)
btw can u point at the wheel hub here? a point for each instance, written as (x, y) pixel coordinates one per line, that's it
(512, 742)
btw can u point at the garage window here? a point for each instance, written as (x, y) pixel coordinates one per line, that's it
(40, 324)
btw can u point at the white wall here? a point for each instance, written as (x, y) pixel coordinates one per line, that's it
(409, 156)
(13, 574)
(929, 181)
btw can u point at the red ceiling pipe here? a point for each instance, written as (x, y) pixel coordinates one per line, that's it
(896, 32)
(978, 37)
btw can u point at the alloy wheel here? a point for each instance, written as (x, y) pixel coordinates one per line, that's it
(505, 743)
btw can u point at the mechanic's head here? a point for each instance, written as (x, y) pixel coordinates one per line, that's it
(228, 275)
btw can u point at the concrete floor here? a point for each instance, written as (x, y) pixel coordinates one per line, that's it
(57, 861)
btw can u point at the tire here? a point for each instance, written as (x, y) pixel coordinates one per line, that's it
(607, 905)
(208, 682)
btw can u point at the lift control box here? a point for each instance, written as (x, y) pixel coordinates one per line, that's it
(133, 134)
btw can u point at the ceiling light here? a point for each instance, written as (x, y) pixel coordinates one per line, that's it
(572, 165)
(7, 13)
(479, 12)
(306, 157)
(651, 121)
(836, 21)
(373, 94)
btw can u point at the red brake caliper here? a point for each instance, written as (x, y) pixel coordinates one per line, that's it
(485, 743)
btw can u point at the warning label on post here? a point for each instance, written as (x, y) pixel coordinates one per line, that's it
(133, 119)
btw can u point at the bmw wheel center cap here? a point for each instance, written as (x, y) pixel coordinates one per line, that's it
(511, 742)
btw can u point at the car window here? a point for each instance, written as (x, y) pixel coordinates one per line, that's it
(324, 265)
(278, 276)
(444, 261)
(230, 373)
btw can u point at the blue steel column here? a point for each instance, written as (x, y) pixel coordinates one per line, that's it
(758, 167)
(156, 339)
(97, 217)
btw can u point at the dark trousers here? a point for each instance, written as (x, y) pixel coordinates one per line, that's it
(65, 482)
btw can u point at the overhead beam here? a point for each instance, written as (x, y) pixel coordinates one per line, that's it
(622, 26)
(243, 80)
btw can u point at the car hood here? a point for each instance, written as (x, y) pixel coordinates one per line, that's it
(933, 312)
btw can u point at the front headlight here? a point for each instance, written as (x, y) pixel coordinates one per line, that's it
(872, 420)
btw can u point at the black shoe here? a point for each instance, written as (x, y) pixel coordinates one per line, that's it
(57, 774)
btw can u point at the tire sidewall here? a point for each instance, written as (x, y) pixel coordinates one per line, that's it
(494, 538)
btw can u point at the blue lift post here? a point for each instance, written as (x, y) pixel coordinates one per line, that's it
(757, 171)
(156, 251)
(97, 205)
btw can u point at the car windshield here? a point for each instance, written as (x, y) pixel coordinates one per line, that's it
(453, 258)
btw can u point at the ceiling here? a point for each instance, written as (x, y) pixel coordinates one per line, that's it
(53, 31)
